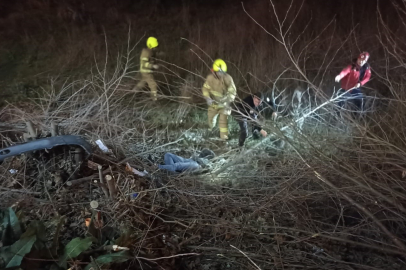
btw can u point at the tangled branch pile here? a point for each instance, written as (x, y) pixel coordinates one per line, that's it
(332, 198)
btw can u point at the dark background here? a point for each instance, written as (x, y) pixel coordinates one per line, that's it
(63, 37)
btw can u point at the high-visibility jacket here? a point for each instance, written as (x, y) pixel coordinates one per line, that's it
(146, 62)
(220, 88)
(353, 74)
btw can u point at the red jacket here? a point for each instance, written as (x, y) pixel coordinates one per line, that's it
(350, 76)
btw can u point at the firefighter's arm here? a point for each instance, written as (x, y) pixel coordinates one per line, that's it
(146, 62)
(206, 91)
(343, 73)
(231, 91)
(367, 76)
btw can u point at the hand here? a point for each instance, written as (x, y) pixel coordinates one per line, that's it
(263, 133)
(338, 78)
(223, 101)
(227, 109)
(155, 66)
(209, 101)
(358, 85)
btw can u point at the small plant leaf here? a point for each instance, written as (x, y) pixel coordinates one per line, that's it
(14, 254)
(11, 227)
(117, 257)
(14, 223)
(74, 248)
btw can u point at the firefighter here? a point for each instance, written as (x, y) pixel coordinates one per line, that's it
(147, 67)
(352, 78)
(248, 109)
(219, 91)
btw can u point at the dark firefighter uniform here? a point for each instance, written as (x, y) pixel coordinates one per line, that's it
(247, 111)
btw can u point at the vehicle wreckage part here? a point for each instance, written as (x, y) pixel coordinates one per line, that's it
(45, 143)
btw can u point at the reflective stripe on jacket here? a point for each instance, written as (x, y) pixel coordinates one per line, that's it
(146, 61)
(220, 88)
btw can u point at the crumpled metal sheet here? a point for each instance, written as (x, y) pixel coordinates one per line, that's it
(45, 143)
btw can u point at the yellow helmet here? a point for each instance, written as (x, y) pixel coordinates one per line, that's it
(219, 65)
(152, 42)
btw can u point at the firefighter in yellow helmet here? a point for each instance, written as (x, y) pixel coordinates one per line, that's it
(147, 67)
(219, 91)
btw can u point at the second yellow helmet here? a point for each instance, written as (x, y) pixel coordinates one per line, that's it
(219, 64)
(152, 42)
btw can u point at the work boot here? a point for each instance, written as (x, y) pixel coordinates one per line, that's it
(154, 97)
(224, 138)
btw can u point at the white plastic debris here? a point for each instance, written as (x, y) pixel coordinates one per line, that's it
(102, 146)
(116, 248)
(13, 171)
(94, 204)
(135, 171)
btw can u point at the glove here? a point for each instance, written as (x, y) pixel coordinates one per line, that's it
(227, 108)
(274, 116)
(155, 66)
(263, 133)
(209, 101)
(338, 78)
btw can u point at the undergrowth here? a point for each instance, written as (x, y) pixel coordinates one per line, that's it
(324, 190)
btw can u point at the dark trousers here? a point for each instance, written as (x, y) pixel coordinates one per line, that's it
(244, 131)
(355, 96)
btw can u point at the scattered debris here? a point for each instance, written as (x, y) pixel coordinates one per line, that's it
(128, 168)
(45, 143)
(116, 248)
(94, 204)
(102, 146)
(92, 165)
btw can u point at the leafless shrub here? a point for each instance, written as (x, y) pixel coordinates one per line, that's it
(333, 198)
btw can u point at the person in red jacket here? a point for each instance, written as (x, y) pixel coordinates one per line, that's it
(352, 78)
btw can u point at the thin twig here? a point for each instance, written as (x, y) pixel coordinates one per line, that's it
(246, 257)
